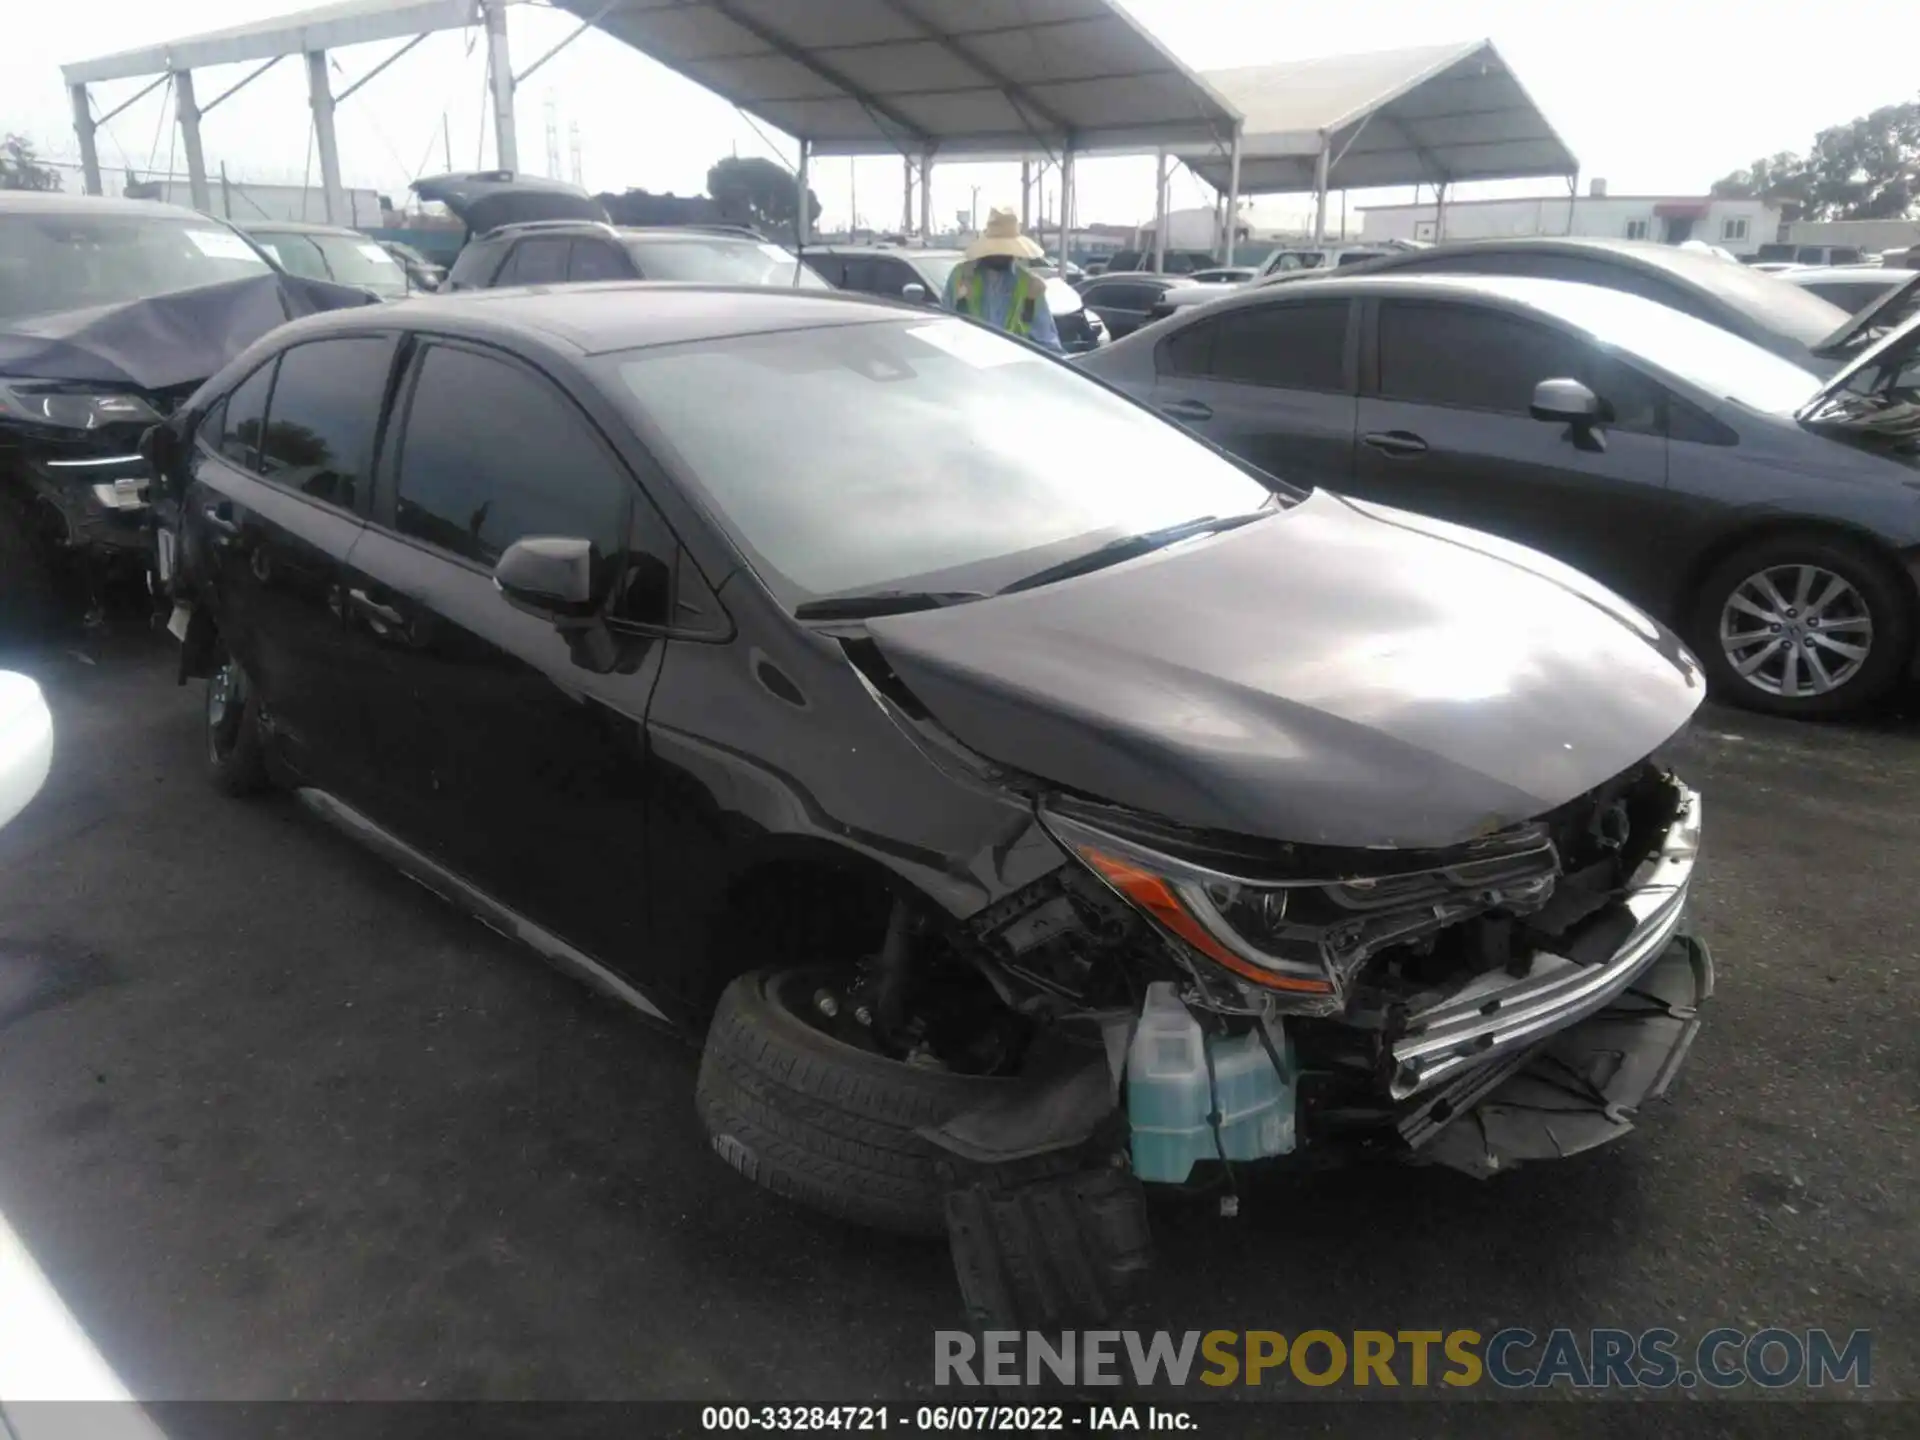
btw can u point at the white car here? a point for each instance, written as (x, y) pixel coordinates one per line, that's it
(26, 743)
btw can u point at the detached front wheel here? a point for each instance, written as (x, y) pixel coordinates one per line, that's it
(821, 1121)
(1808, 626)
(236, 758)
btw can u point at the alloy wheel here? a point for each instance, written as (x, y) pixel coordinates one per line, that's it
(1796, 631)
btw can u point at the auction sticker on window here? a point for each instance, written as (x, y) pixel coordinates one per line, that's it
(221, 245)
(971, 344)
(374, 252)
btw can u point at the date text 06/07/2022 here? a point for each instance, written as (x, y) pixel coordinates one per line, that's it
(939, 1419)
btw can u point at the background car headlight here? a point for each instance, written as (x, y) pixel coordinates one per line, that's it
(67, 406)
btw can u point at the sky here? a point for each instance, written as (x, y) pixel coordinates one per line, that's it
(1655, 96)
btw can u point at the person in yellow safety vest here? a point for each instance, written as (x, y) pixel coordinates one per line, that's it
(991, 284)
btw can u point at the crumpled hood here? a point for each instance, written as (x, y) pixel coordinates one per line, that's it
(1337, 674)
(167, 341)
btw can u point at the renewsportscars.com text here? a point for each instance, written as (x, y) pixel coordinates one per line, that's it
(1511, 1359)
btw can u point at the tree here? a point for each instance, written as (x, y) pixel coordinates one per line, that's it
(20, 168)
(758, 191)
(1867, 169)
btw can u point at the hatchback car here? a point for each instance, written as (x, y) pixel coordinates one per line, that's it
(920, 277)
(1772, 519)
(525, 230)
(907, 751)
(1756, 306)
(331, 252)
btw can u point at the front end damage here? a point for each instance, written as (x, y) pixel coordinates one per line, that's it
(1515, 999)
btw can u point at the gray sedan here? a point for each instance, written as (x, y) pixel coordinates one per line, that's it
(1770, 517)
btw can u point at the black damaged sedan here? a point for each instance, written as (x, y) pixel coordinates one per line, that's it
(1013, 788)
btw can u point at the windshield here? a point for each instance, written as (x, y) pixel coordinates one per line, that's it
(54, 262)
(722, 260)
(916, 455)
(938, 269)
(1715, 360)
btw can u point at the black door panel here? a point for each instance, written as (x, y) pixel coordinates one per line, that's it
(1448, 433)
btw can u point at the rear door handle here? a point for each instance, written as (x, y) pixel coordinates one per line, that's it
(1396, 442)
(1187, 410)
(374, 610)
(219, 518)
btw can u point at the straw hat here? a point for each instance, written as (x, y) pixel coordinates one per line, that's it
(1002, 237)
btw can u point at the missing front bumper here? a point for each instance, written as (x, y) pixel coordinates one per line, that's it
(1581, 1088)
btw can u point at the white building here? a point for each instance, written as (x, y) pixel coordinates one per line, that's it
(1741, 226)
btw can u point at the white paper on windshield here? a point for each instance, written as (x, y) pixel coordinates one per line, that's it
(775, 252)
(221, 245)
(976, 347)
(272, 250)
(374, 253)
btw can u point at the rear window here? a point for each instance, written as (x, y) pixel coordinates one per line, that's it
(54, 262)
(722, 260)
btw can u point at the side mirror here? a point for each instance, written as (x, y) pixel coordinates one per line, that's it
(1568, 402)
(159, 448)
(550, 576)
(915, 292)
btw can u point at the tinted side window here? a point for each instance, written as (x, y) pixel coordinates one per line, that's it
(1287, 347)
(597, 260)
(246, 416)
(492, 452)
(860, 274)
(832, 268)
(890, 277)
(537, 262)
(325, 409)
(1123, 296)
(1470, 358)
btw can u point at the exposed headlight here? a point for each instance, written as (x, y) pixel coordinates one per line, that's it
(1306, 937)
(72, 407)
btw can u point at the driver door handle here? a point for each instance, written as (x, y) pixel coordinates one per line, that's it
(1187, 410)
(374, 610)
(1395, 442)
(219, 518)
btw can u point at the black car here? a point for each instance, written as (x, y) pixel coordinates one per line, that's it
(919, 276)
(911, 756)
(1756, 306)
(111, 313)
(1125, 300)
(1175, 262)
(522, 230)
(1773, 519)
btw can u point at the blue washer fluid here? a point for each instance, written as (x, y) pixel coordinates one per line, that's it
(1170, 1094)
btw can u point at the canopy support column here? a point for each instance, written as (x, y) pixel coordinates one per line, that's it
(187, 113)
(506, 142)
(1026, 197)
(1440, 213)
(906, 201)
(83, 131)
(320, 96)
(801, 209)
(1160, 212)
(926, 196)
(1321, 163)
(1233, 196)
(1066, 203)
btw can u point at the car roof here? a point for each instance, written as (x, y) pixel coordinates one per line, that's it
(1139, 275)
(297, 227)
(593, 319)
(899, 252)
(1807, 274)
(44, 202)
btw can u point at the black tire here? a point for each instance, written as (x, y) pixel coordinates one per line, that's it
(821, 1122)
(28, 598)
(236, 753)
(1880, 593)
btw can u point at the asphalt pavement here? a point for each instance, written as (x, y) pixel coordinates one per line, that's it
(278, 1124)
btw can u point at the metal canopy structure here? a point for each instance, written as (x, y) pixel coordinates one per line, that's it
(935, 79)
(1436, 115)
(926, 79)
(310, 33)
